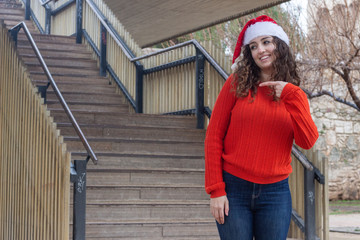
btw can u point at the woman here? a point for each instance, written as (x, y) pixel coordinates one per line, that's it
(258, 114)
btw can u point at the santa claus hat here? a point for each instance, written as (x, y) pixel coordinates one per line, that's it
(260, 26)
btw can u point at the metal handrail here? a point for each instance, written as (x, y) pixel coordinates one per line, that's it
(76, 126)
(110, 31)
(197, 45)
(44, 3)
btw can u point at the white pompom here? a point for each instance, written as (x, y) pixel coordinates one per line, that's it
(235, 64)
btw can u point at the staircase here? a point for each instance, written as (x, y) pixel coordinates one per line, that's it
(149, 180)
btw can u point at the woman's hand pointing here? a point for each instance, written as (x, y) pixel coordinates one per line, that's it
(278, 86)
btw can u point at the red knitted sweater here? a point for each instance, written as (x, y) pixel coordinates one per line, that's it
(252, 139)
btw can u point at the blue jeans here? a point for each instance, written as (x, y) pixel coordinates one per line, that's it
(262, 211)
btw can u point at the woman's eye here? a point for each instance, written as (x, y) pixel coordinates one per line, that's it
(252, 47)
(266, 42)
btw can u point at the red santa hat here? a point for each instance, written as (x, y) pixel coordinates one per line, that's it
(260, 26)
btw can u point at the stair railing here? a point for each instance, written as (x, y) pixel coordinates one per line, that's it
(78, 169)
(201, 56)
(48, 13)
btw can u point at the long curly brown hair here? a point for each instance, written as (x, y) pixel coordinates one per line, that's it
(246, 77)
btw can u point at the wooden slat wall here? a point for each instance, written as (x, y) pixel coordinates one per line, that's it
(34, 163)
(174, 89)
(123, 68)
(39, 11)
(124, 34)
(296, 182)
(64, 23)
(171, 89)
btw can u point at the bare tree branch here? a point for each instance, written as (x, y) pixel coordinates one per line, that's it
(331, 54)
(328, 93)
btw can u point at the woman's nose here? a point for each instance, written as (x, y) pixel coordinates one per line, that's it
(261, 49)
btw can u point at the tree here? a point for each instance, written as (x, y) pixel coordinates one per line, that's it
(330, 59)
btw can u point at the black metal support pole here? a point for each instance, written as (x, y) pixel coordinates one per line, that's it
(27, 10)
(14, 35)
(79, 207)
(103, 50)
(79, 16)
(47, 20)
(200, 63)
(309, 191)
(139, 87)
(42, 91)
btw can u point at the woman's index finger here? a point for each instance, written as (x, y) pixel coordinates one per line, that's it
(269, 83)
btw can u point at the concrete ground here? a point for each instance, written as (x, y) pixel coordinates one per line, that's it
(344, 227)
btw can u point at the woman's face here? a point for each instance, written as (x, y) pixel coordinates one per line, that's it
(262, 50)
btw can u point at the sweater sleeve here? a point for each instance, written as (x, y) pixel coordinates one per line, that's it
(214, 141)
(296, 103)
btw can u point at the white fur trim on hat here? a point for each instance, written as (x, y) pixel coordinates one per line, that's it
(263, 29)
(235, 64)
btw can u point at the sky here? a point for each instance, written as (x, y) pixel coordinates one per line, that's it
(303, 15)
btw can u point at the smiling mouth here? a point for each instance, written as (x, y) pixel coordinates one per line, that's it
(264, 58)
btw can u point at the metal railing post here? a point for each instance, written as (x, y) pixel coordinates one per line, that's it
(14, 35)
(27, 10)
(200, 63)
(103, 66)
(139, 87)
(79, 206)
(79, 16)
(309, 191)
(47, 20)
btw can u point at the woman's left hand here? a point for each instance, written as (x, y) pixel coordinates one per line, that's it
(278, 86)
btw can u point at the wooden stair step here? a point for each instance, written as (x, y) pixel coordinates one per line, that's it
(155, 177)
(41, 79)
(45, 38)
(142, 169)
(143, 160)
(54, 46)
(135, 132)
(139, 140)
(12, 11)
(115, 212)
(60, 72)
(98, 107)
(146, 202)
(69, 63)
(126, 119)
(96, 194)
(18, 18)
(48, 53)
(151, 230)
(146, 161)
(11, 23)
(138, 146)
(90, 88)
(10, 5)
(155, 221)
(110, 98)
(65, 71)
